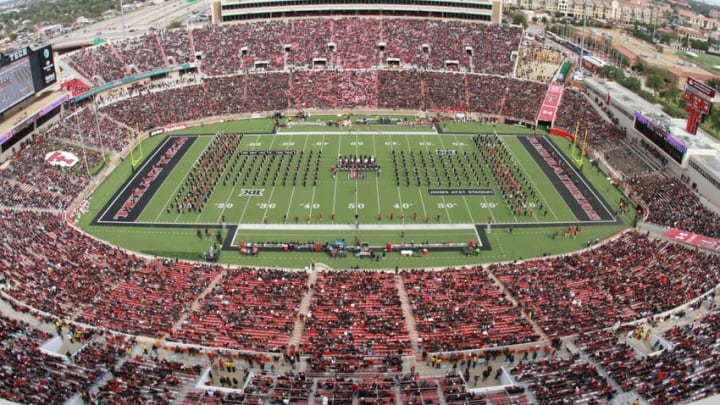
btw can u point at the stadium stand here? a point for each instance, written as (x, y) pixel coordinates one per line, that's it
(354, 341)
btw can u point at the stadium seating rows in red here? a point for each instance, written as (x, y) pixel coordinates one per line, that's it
(629, 278)
(676, 206)
(41, 185)
(354, 313)
(350, 43)
(447, 320)
(248, 309)
(687, 371)
(390, 89)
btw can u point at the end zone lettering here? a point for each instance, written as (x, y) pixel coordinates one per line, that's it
(460, 191)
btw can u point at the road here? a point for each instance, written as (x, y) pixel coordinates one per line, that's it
(136, 22)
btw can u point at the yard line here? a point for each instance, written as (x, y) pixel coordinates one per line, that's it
(377, 175)
(292, 193)
(189, 171)
(335, 179)
(527, 174)
(445, 203)
(400, 200)
(175, 191)
(249, 199)
(232, 190)
(420, 193)
(312, 198)
(272, 191)
(465, 200)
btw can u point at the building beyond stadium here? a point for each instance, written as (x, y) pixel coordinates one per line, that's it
(234, 10)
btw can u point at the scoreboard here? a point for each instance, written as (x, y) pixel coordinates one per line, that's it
(23, 73)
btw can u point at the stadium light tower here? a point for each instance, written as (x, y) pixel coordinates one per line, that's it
(122, 17)
(582, 39)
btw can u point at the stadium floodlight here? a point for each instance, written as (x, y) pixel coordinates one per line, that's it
(122, 17)
(97, 128)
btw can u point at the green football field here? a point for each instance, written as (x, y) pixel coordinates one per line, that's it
(377, 184)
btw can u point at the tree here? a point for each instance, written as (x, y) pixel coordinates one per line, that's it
(632, 84)
(175, 24)
(655, 82)
(698, 44)
(519, 19)
(714, 83)
(612, 73)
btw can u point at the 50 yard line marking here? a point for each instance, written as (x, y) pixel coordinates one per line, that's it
(377, 176)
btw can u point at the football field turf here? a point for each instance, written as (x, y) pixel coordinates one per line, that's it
(377, 184)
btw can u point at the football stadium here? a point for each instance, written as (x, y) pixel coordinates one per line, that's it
(308, 206)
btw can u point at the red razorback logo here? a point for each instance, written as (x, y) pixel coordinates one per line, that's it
(61, 158)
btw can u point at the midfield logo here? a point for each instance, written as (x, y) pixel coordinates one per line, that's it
(252, 192)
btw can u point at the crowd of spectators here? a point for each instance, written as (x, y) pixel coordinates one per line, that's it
(577, 114)
(355, 318)
(272, 91)
(559, 381)
(39, 183)
(142, 380)
(100, 64)
(28, 375)
(671, 203)
(142, 53)
(523, 99)
(354, 313)
(94, 130)
(447, 320)
(685, 370)
(250, 309)
(333, 89)
(348, 43)
(629, 278)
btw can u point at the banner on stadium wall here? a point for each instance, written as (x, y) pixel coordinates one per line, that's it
(561, 133)
(693, 239)
(130, 79)
(169, 128)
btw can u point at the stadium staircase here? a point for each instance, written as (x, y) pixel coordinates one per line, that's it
(409, 317)
(191, 39)
(299, 328)
(162, 50)
(195, 305)
(536, 328)
(116, 54)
